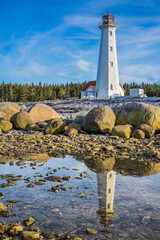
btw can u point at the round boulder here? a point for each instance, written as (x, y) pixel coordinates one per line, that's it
(138, 134)
(8, 109)
(123, 131)
(138, 113)
(99, 120)
(20, 120)
(5, 126)
(42, 113)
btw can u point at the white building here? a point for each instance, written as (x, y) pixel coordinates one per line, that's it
(136, 92)
(89, 90)
(107, 84)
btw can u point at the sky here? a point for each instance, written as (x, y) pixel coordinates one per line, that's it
(58, 41)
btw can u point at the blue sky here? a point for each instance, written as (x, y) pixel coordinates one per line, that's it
(58, 41)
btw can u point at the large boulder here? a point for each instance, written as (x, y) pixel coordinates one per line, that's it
(138, 113)
(5, 126)
(55, 126)
(20, 120)
(123, 131)
(99, 120)
(42, 113)
(79, 120)
(8, 109)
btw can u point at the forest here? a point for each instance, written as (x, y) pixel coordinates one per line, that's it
(35, 93)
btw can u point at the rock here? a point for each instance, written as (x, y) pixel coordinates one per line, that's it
(30, 185)
(8, 109)
(71, 132)
(137, 113)
(5, 126)
(80, 195)
(148, 130)
(32, 126)
(28, 222)
(123, 131)
(146, 219)
(73, 125)
(3, 228)
(20, 120)
(42, 124)
(48, 235)
(16, 229)
(42, 113)
(82, 113)
(138, 134)
(100, 166)
(2, 207)
(55, 126)
(29, 235)
(5, 214)
(100, 120)
(67, 121)
(33, 228)
(91, 231)
(79, 120)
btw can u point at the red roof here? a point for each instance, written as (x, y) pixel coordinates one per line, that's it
(91, 84)
(108, 15)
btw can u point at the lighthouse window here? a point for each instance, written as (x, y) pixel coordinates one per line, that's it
(109, 205)
(111, 86)
(111, 49)
(110, 33)
(109, 190)
(111, 63)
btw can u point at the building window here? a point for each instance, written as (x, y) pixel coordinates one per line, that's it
(111, 86)
(111, 64)
(110, 33)
(111, 49)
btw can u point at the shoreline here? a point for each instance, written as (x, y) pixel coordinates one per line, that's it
(83, 146)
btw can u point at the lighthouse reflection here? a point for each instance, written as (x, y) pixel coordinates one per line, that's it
(106, 178)
(106, 189)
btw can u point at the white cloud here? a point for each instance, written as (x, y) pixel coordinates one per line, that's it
(83, 65)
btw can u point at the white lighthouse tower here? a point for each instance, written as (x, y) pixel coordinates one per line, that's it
(107, 83)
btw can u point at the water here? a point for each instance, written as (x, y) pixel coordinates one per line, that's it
(118, 206)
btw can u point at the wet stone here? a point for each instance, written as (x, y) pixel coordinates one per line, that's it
(91, 231)
(28, 222)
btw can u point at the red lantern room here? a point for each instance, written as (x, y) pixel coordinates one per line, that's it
(108, 19)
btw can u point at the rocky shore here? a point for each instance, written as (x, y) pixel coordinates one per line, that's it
(84, 146)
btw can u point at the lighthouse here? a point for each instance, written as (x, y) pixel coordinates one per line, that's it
(107, 83)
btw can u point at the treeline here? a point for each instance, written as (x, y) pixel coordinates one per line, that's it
(151, 90)
(39, 92)
(36, 93)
